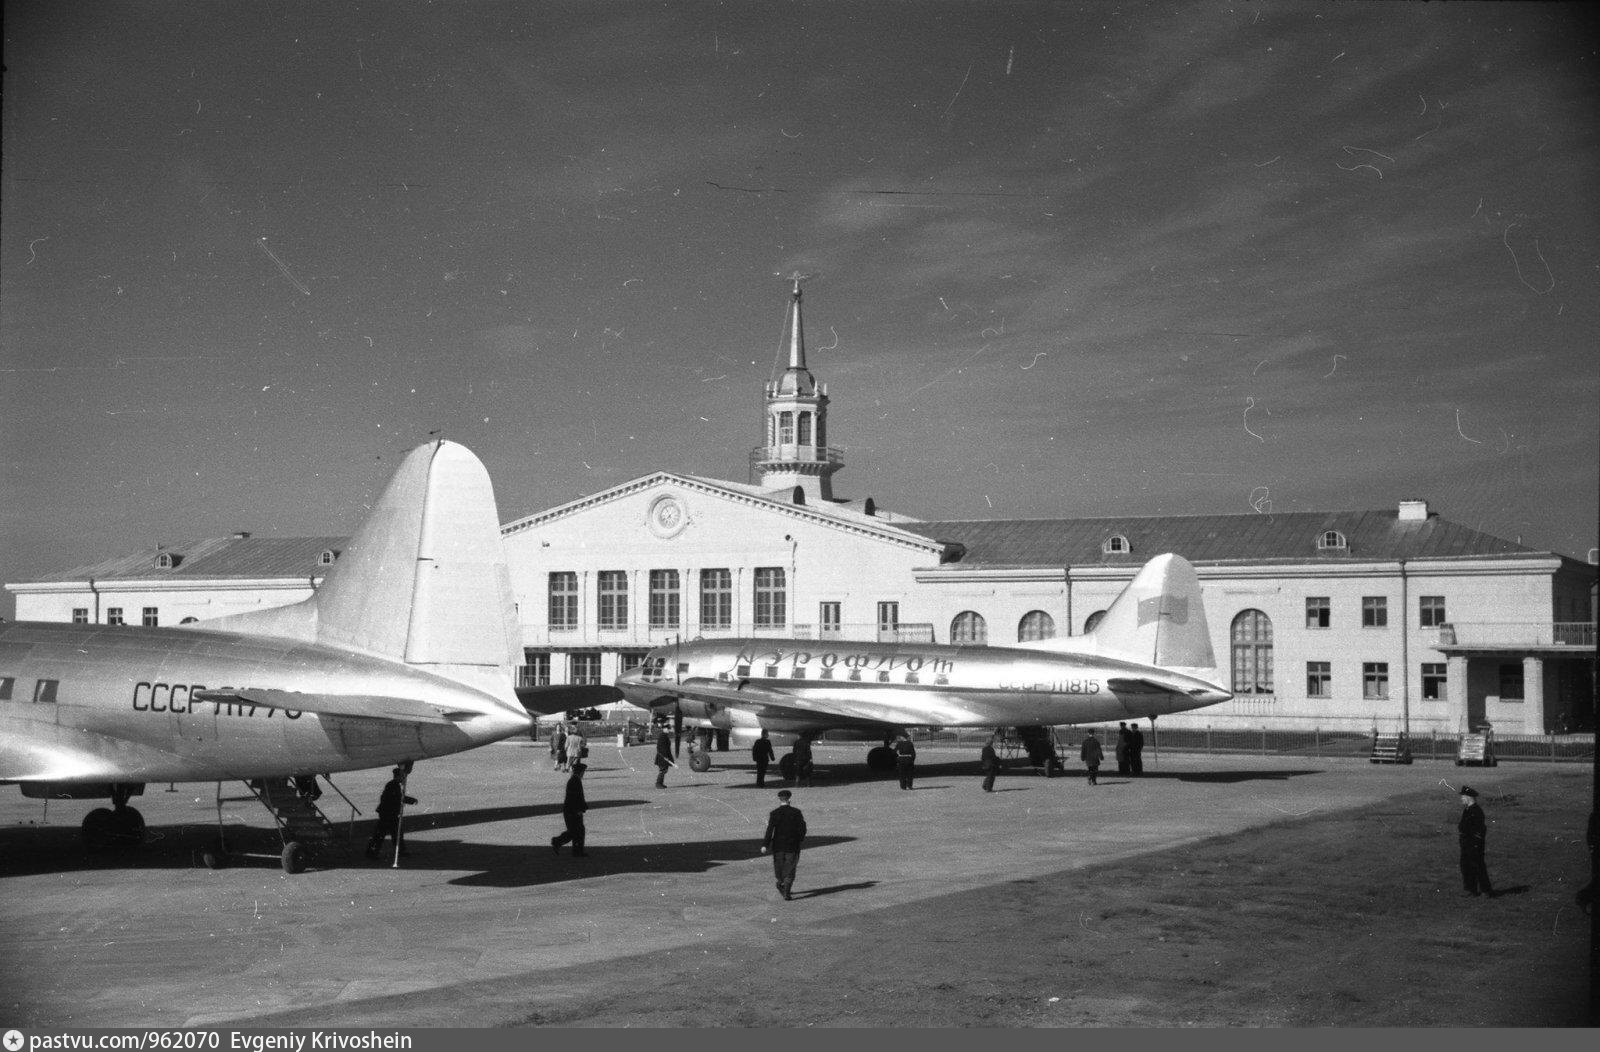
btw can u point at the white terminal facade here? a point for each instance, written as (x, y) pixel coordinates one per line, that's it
(1343, 621)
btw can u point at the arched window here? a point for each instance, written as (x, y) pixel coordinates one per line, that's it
(1331, 539)
(1035, 624)
(969, 627)
(1116, 544)
(1252, 653)
(1093, 620)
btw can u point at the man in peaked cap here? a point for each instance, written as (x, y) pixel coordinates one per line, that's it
(1473, 832)
(786, 830)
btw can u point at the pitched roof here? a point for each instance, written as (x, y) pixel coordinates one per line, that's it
(1291, 536)
(213, 558)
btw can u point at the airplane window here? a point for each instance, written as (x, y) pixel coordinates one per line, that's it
(772, 670)
(798, 673)
(883, 677)
(941, 680)
(6, 683)
(855, 675)
(683, 666)
(827, 673)
(912, 677)
(44, 691)
(743, 672)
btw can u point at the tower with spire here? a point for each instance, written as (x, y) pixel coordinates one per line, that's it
(796, 456)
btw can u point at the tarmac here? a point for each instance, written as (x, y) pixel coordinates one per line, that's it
(150, 937)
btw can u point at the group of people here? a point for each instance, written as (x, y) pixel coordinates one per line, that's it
(567, 746)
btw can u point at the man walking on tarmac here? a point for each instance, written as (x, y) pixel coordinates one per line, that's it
(572, 809)
(905, 758)
(786, 830)
(761, 753)
(390, 805)
(663, 758)
(1091, 753)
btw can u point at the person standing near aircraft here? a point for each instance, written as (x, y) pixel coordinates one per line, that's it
(802, 760)
(761, 753)
(989, 764)
(905, 758)
(572, 808)
(390, 805)
(1091, 753)
(1135, 749)
(663, 758)
(786, 830)
(577, 746)
(559, 743)
(1123, 742)
(1474, 833)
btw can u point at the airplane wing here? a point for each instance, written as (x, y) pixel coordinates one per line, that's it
(560, 697)
(345, 706)
(1126, 686)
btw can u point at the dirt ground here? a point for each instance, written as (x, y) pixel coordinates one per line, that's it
(1246, 891)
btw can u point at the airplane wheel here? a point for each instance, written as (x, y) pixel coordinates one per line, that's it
(99, 828)
(786, 766)
(700, 763)
(880, 759)
(294, 857)
(1052, 767)
(128, 826)
(214, 857)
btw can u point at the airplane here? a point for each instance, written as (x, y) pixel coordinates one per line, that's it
(1150, 655)
(408, 649)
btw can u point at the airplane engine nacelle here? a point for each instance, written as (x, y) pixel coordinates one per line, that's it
(78, 790)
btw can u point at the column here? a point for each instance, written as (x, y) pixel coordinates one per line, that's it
(1533, 695)
(1456, 694)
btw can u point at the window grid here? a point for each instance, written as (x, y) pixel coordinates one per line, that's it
(771, 607)
(1319, 679)
(664, 599)
(1036, 624)
(564, 600)
(829, 618)
(80, 615)
(1374, 611)
(1375, 679)
(716, 598)
(969, 628)
(1434, 680)
(113, 615)
(1252, 653)
(586, 669)
(1430, 611)
(1319, 611)
(150, 617)
(613, 585)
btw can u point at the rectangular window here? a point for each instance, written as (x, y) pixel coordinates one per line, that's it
(613, 598)
(716, 599)
(1430, 610)
(113, 615)
(80, 615)
(1433, 680)
(6, 685)
(1319, 612)
(828, 615)
(888, 617)
(1511, 681)
(1375, 679)
(631, 659)
(44, 691)
(563, 600)
(536, 673)
(1374, 611)
(150, 618)
(586, 669)
(1319, 679)
(772, 597)
(664, 599)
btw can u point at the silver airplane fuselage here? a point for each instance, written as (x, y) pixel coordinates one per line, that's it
(791, 685)
(120, 703)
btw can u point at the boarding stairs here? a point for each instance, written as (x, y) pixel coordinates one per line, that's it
(1390, 748)
(302, 826)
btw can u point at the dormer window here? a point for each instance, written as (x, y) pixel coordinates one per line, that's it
(1116, 544)
(167, 560)
(1332, 540)
(327, 557)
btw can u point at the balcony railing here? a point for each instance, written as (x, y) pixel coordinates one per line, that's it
(1575, 634)
(664, 635)
(805, 452)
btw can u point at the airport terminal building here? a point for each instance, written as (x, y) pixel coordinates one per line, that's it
(1368, 620)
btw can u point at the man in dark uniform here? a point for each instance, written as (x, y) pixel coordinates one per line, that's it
(1123, 741)
(905, 758)
(761, 753)
(1135, 750)
(1091, 753)
(663, 758)
(989, 763)
(1473, 832)
(389, 808)
(786, 830)
(802, 761)
(572, 809)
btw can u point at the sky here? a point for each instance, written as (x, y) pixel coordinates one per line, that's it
(1058, 259)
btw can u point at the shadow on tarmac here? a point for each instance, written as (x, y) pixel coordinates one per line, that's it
(835, 889)
(526, 865)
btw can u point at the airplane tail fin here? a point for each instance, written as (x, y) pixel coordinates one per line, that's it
(1159, 619)
(424, 580)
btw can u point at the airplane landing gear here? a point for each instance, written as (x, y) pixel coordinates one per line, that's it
(880, 759)
(116, 826)
(786, 766)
